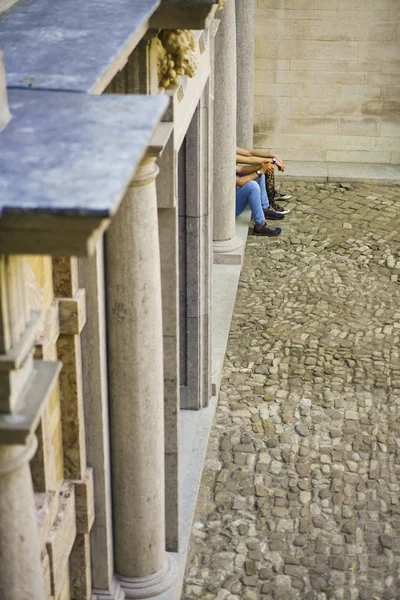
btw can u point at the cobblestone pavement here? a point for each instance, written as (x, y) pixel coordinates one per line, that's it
(300, 497)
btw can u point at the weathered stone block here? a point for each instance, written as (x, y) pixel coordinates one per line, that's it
(73, 313)
(84, 503)
(79, 567)
(358, 156)
(62, 537)
(379, 51)
(359, 126)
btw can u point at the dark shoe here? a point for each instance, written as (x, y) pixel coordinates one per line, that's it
(282, 196)
(265, 230)
(279, 209)
(269, 213)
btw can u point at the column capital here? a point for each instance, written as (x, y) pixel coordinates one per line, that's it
(146, 173)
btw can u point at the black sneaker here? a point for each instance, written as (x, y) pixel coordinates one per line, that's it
(282, 196)
(265, 230)
(279, 209)
(270, 213)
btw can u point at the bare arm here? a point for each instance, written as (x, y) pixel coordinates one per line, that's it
(246, 178)
(241, 170)
(243, 151)
(250, 160)
(257, 154)
(249, 173)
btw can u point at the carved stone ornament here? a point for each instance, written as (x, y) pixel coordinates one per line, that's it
(176, 56)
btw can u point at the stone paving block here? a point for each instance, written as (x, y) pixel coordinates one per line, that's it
(299, 497)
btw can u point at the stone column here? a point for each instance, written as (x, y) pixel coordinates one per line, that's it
(245, 16)
(225, 132)
(136, 388)
(21, 573)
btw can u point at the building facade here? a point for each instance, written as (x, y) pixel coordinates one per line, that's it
(120, 257)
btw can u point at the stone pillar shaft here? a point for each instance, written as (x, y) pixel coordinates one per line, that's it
(245, 16)
(136, 389)
(225, 126)
(20, 566)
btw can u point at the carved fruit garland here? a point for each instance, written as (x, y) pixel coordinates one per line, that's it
(176, 56)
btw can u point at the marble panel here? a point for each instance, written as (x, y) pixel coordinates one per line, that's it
(53, 44)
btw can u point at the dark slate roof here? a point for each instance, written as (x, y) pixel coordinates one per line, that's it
(72, 154)
(71, 44)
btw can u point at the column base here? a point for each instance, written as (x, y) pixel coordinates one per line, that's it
(228, 252)
(152, 586)
(114, 593)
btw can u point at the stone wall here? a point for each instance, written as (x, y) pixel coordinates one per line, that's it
(327, 78)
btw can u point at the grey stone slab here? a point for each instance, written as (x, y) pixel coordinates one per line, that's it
(308, 171)
(196, 265)
(195, 431)
(168, 234)
(71, 156)
(96, 408)
(74, 45)
(225, 280)
(172, 501)
(169, 249)
(194, 357)
(17, 427)
(328, 171)
(385, 174)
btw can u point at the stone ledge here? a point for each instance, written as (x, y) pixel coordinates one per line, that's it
(55, 199)
(328, 172)
(196, 425)
(59, 45)
(16, 428)
(224, 288)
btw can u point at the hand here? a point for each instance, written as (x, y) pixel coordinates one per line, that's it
(267, 167)
(280, 164)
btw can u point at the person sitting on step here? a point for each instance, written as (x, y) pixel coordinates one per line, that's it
(247, 156)
(250, 189)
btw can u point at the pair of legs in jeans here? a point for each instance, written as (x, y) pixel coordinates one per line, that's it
(255, 194)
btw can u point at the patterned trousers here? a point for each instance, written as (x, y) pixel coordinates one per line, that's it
(270, 184)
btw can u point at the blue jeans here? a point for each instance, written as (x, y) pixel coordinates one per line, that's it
(255, 194)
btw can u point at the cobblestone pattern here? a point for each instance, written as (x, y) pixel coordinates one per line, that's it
(300, 497)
